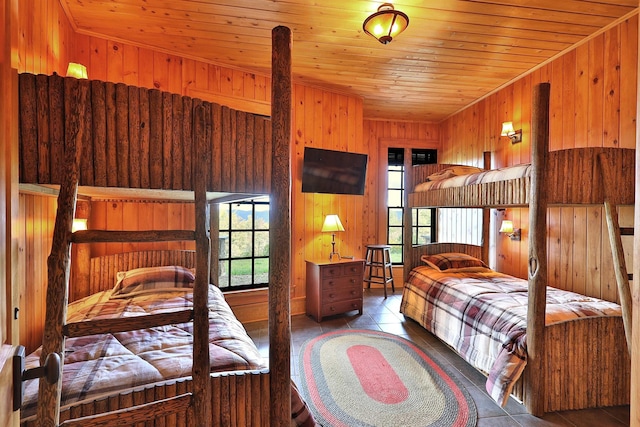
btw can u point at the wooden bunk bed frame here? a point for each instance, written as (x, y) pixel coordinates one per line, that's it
(168, 145)
(566, 368)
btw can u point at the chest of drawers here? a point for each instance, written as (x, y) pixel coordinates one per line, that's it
(334, 287)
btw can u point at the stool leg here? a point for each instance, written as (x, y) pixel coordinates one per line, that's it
(367, 264)
(388, 262)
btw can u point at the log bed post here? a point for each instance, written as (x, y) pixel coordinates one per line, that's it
(407, 238)
(201, 357)
(537, 251)
(280, 236)
(486, 214)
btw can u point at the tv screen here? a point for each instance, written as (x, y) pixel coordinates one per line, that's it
(333, 172)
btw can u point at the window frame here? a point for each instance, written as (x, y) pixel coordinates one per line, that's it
(226, 257)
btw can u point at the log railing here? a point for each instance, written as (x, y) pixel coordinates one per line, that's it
(138, 138)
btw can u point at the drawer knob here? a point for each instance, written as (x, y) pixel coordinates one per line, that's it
(332, 308)
(332, 295)
(353, 292)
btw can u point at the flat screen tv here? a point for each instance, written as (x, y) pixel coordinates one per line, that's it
(333, 172)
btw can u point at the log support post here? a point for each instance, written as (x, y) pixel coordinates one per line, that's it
(535, 392)
(280, 236)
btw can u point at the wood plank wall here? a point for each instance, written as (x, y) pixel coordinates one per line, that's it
(593, 103)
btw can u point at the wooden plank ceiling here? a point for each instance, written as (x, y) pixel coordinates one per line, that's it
(453, 52)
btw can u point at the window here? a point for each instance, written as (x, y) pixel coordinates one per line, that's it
(423, 229)
(244, 244)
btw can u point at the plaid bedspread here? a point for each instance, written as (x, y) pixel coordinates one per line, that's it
(482, 315)
(100, 364)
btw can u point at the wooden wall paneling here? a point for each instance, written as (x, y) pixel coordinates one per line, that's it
(115, 61)
(160, 220)
(98, 58)
(80, 54)
(566, 249)
(568, 99)
(596, 91)
(161, 75)
(131, 221)
(174, 65)
(594, 251)
(556, 107)
(250, 157)
(554, 238)
(628, 81)
(611, 89)
(579, 282)
(98, 221)
(582, 96)
(130, 65)
(145, 212)
(146, 69)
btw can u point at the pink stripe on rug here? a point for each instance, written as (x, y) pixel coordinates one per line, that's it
(380, 383)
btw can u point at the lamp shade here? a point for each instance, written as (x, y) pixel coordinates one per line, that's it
(507, 129)
(506, 226)
(76, 70)
(78, 224)
(332, 224)
(386, 23)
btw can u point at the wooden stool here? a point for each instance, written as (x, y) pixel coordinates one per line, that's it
(377, 266)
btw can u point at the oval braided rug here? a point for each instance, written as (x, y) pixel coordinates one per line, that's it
(357, 378)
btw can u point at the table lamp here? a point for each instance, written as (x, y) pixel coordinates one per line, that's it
(332, 224)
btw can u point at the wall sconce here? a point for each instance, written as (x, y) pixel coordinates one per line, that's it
(514, 135)
(76, 70)
(332, 224)
(386, 23)
(507, 228)
(79, 224)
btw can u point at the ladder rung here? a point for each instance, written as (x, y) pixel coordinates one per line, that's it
(105, 236)
(626, 231)
(109, 326)
(131, 416)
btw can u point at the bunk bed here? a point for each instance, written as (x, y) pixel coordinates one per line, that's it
(171, 146)
(573, 363)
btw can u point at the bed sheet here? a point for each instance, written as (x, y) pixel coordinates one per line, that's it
(483, 316)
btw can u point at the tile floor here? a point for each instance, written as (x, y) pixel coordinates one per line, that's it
(383, 314)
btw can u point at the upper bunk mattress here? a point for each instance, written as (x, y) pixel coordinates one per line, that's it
(451, 179)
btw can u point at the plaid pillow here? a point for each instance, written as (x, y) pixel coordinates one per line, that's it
(450, 260)
(152, 279)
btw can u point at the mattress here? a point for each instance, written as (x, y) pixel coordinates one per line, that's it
(449, 178)
(100, 364)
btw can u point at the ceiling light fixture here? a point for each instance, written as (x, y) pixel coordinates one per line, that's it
(386, 23)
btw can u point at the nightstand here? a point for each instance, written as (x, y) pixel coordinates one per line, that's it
(334, 287)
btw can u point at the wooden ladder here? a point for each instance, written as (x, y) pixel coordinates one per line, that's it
(617, 251)
(55, 332)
